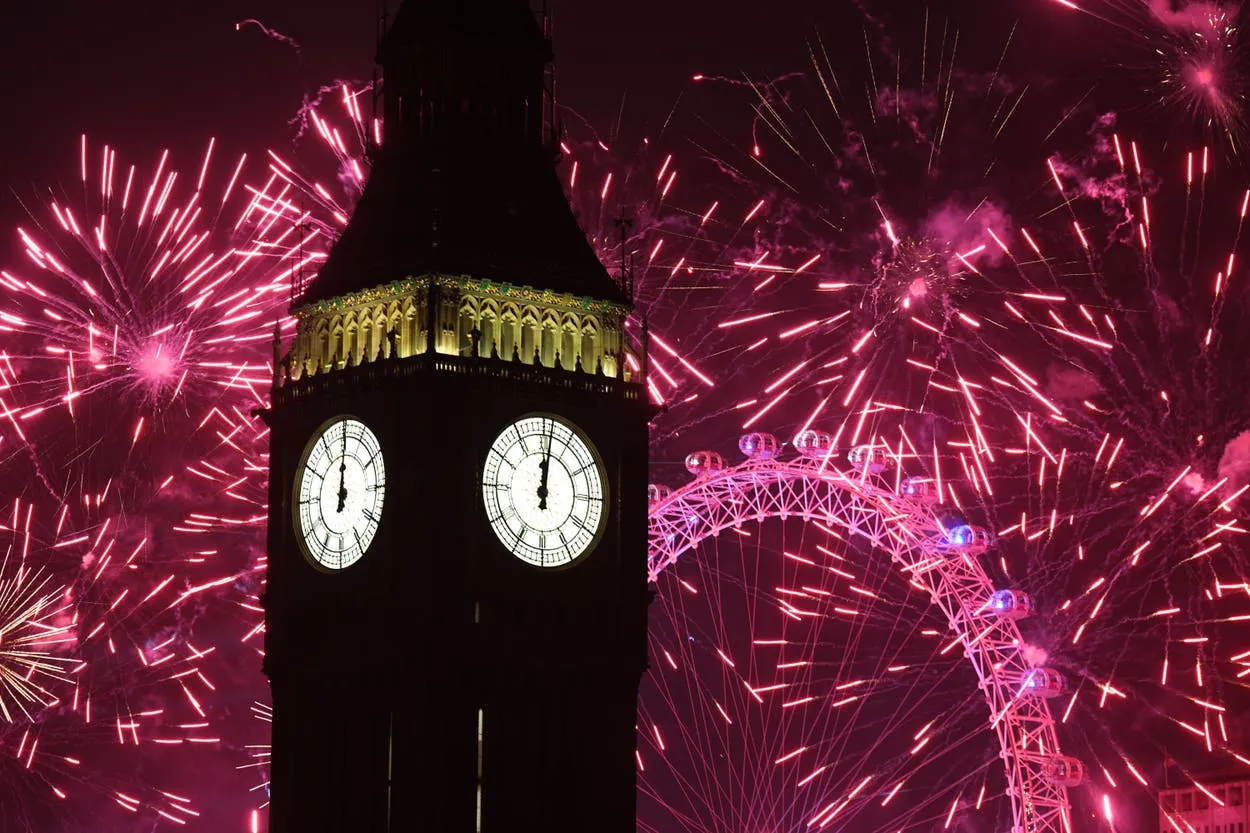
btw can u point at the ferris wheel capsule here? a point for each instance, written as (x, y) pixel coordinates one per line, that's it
(868, 457)
(1064, 771)
(758, 446)
(812, 443)
(1043, 682)
(1011, 604)
(967, 539)
(704, 463)
(918, 488)
(657, 493)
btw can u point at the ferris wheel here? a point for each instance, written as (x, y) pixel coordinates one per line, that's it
(933, 548)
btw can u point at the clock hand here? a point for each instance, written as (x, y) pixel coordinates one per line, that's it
(544, 467)
(343, 473)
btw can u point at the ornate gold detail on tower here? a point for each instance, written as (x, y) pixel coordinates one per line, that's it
(469, 317)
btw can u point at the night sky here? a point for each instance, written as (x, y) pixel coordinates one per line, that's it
(142, 76)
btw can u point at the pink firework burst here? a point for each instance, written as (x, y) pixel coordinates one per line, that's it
(1065, 378)
(1188, 55)
(137, 345)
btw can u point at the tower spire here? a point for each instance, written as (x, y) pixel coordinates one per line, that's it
(375, 87)
(465, 183)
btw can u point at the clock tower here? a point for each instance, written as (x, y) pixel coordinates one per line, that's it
(456, 600)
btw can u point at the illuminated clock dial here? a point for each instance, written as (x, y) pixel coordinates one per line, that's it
(544, 488)
(339, 491)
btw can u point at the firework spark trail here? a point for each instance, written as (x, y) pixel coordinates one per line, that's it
(260, 752)
(272, 34)
(1071, 381)
(331, 206)
(980, 302)
(797, 681)
(136, 312)
(33, 636)
(52, 722)
(1189, 59)
(628, 210)
(132, 294)
(137, 344)
(992, 298)
(945, 333)
(1139, 534)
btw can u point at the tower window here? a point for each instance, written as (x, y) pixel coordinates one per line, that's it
(480, 759)
(390, 769)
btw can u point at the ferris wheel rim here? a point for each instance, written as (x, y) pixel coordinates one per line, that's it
(909, 530)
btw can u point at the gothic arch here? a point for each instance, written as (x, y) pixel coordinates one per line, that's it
(320, 349)
(529, 333)
(488, 324)
(548, 337)
(468, 317)
(351, 342)
(509, 333)
(570, 341)
(337, 341)
(408, 336)
(590, 343)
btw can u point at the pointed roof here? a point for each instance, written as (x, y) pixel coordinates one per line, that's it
(506, 26)
(465, 183)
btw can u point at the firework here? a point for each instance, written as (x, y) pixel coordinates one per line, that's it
(32, 631)
(800, 679)
(138, 344)
(1139, 539)
(622, 201)
(1188, 55)
(1063, 370)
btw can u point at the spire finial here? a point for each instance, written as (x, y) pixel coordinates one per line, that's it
(624, 223)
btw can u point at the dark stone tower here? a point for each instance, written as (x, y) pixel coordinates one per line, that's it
(457, 595)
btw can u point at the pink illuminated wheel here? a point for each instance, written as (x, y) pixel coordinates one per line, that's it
(722, 514)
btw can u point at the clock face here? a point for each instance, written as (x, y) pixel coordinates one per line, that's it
(544, 490)
(339, 490)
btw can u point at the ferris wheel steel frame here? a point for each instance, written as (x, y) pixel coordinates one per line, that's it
(870, 507)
